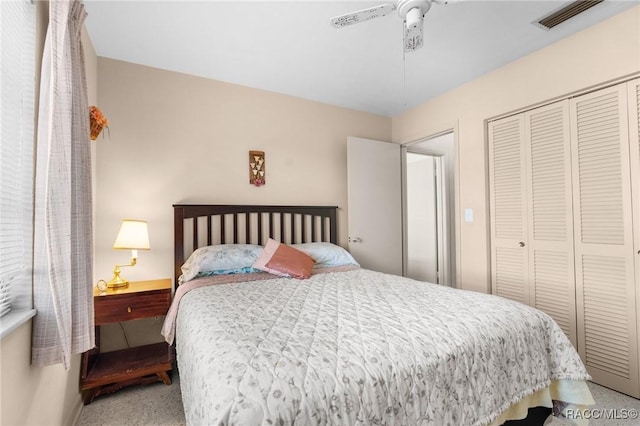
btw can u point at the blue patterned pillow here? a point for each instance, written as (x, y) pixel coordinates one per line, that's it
(214, 260)
(245, 270)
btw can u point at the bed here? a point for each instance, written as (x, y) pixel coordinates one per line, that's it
(347, 345)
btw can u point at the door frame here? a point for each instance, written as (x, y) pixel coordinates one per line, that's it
(406, 147)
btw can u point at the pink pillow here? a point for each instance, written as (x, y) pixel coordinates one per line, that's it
(285, 261)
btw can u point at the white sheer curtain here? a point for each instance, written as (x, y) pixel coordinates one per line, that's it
(63, 261)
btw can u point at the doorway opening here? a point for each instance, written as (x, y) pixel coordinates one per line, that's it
(430, 252)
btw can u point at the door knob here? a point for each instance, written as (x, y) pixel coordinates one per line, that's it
(521, 244)
(355, 240)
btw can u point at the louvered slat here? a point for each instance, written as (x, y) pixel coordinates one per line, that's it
(509, 281)
(507, 180)
(607, 326)
(550, 270)
(548, 145)
(599, 170)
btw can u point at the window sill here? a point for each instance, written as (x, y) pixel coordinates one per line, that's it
(14, 319)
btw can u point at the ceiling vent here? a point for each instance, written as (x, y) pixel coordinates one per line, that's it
(566, 13)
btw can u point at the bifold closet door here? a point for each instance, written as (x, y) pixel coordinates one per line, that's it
(604, 256)
(531, 213)
(633, 102)
(508, 204)
(550, 214)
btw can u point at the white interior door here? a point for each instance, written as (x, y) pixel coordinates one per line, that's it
(375, 204)
(422, 261)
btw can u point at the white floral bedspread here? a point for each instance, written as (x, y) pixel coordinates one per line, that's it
(361, 348)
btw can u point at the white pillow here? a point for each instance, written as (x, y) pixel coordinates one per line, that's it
(326, 254)
(220, 259)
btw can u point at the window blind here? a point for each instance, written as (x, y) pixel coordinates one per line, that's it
(17, 89)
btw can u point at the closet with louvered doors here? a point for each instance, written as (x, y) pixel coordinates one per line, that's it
(602, 140)
(531, 213)
(565, 222)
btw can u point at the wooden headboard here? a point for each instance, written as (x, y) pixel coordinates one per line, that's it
(198, 225)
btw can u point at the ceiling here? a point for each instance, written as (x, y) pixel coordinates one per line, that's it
(289, 47)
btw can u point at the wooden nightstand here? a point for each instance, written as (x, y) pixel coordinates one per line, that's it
(107, 372)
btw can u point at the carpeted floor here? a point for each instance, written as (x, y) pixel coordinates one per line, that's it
(154, 404)
(159, 404)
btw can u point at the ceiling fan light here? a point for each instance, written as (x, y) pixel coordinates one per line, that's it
(414, 18)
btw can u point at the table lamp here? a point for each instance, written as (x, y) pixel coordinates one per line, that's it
(133, 236)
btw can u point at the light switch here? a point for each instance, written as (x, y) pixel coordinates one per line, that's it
(468, 215)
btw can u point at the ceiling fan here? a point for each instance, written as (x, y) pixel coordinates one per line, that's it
(411, 11)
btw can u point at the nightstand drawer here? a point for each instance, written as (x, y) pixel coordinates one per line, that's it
(125, 307)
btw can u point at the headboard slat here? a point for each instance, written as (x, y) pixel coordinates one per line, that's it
(281, 227)
(182, 212)
(195, 231)
(270, 224)
(247, 229)
(223, 230)
(235, 228)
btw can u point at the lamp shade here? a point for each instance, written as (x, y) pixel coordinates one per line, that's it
(133, 235)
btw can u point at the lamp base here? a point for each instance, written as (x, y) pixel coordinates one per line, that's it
(117, 281)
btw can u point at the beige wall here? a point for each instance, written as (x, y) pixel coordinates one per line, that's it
(50, 395)
(33, 395)
(177, 138)
(607, 51)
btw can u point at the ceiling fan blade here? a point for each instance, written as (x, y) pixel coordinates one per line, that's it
(362, 15)
(413, 36)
